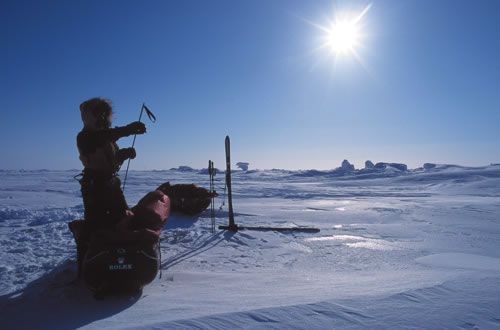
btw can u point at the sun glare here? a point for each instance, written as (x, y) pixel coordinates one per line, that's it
(343, 37)
(343, 34)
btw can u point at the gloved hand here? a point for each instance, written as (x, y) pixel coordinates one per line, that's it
(124, 154)
(129, 153)
(136, 127)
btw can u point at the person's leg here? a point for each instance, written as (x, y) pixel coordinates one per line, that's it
(96, 198)
(118, 205)
(90, 216)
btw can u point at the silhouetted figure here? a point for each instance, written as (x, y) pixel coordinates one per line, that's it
(101, 157)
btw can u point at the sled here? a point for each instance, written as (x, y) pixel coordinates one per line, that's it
(128, 257)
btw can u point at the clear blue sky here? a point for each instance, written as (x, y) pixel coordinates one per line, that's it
(427, 88)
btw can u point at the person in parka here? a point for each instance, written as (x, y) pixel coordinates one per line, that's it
(103, 198)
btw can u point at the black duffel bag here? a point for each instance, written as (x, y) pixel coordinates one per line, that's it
(121, 261)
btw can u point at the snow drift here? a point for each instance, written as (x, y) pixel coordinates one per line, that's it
(413, 248)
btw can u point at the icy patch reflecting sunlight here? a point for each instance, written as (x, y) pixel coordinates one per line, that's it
(373, 244)
(358, 242)
(335, 238)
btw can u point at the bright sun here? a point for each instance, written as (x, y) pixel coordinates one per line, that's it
(343, 35)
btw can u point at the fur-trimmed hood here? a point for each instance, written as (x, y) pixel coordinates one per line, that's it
(90, 111)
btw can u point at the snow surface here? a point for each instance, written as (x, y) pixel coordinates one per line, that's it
(397, 249)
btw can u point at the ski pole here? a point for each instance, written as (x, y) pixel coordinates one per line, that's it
(151, 117)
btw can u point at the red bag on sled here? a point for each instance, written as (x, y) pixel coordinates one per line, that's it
(151, 212)
(125, 259)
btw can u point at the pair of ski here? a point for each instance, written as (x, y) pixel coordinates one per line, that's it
(232, 225)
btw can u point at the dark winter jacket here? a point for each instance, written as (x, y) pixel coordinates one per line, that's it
(99, 151)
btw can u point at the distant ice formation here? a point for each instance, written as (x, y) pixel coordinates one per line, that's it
(243, 166)
(397, 166)
(346, 166)
(428, 166)
(183, 168)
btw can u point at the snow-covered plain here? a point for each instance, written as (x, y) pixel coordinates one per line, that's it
(397, 249)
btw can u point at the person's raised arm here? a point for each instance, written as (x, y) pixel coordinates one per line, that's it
(113, 134)
(88, 141)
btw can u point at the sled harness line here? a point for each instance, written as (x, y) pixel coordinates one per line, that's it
(78, 177)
